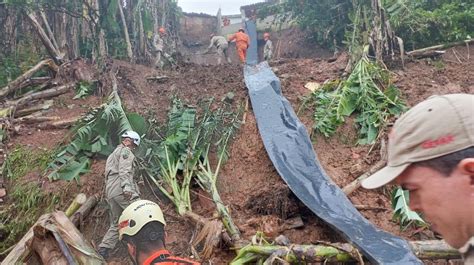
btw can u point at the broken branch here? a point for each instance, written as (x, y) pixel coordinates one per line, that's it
(421, 52)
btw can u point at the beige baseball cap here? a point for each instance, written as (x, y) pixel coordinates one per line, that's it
(438, 126)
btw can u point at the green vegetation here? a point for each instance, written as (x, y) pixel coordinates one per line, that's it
(368, 93)
(401, 210)
(84, 89)
(98, 133)
(419, 23)
(426, 23)
(263, 251)
(28, 199)
(179, 151)
(14, 65)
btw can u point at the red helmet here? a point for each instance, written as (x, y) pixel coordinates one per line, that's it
(162, 30)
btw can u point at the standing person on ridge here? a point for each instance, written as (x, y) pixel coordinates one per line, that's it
(242, 42)
(120, 190)
(268, 48)
(158, 47)
(142, 230)
(431, 155)
(221, 45)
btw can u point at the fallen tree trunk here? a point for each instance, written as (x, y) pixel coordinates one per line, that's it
(61, 124)
(27, 111)
(418, 52)
(17, 83)
(49, 93)
(36, 119)
(335, 252)
(76, 204)
(84, 211)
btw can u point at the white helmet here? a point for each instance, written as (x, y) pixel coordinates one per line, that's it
(132, 135)
(137, 215)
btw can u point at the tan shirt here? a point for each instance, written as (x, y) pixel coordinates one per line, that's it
(158, 43)
(119, 173)
(218, 41)
(467, 252)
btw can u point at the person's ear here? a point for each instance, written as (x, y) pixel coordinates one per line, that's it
(466, 167)
(131, 250)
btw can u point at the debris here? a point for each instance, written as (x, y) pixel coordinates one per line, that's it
(433, 50)
(3, 192)
(229, 98)
(84, 211)
(159, 79)
(43, 237)
(76, 203)
(312, 86)
(26, 111)
(20, 83)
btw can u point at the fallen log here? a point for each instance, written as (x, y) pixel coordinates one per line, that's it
(336, 252)
(426, 50)
(78, 201)
(37, 119)
(17, 83)
(61, 124)
(27, 111)
(49, 93)
(84, 210)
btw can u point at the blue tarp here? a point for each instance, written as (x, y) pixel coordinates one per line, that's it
(289, 147)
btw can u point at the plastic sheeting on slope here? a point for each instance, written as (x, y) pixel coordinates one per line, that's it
(252, 51)
(289, 147)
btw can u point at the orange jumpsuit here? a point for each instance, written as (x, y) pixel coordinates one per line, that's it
(242, 42)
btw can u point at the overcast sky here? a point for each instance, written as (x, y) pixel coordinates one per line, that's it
(229, 7)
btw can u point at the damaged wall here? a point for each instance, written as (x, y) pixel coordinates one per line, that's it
(196, 28)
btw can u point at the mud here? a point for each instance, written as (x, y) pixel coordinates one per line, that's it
(257, 197)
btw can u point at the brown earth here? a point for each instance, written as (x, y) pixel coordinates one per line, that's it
(257, 197)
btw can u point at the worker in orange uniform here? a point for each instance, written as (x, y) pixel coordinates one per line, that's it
(242, 42)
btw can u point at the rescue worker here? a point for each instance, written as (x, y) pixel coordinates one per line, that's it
(268, 48)
(431, 155)
(120, 190)
(142, 230)
(242, 42)
(221, 45)
(158, 46)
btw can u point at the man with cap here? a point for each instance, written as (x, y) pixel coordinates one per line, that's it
(142, 230)
(221, 45)
(120, 188)
(431, 154)
(242, 42)
(268, 48)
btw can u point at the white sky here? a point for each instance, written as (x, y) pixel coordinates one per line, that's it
(229, 7)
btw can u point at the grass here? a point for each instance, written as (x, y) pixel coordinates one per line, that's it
(27, 200)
